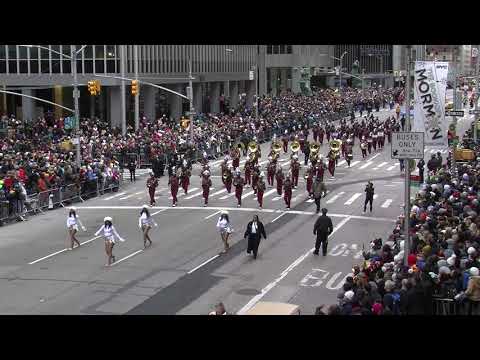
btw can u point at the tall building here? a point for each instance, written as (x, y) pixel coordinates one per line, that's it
(45, 73)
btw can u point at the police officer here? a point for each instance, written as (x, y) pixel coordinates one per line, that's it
(369, 192)
(421, 169)
(319, 190)
(322, 228)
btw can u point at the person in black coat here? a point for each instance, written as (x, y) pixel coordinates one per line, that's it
(369, 192)
(322, 228)
(254, 232)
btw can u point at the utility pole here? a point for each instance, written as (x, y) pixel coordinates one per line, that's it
(76, 95)
(363, 79)
(476, 96)
(137, 96)
(190, 96)
(407, 161)
(454, 120)
(122, 89)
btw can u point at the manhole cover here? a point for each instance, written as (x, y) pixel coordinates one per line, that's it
(248, 292)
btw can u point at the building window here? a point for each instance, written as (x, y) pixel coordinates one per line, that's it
(269, 49)
(275, 49)
(289, 49)
(282, 49)
(3, 66)
(45, 66)
(12, 66)
(2, 52)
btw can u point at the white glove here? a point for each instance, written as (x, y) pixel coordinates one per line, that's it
(84, 228)
(122, 240)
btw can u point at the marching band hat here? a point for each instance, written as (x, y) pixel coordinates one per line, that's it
(73, 208)
(107, 218)
(224, 212)
(144, 206)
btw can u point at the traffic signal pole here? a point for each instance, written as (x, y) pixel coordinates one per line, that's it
(406, 162)
(75, 100)
(190, 96)
(137, 95)
(476, 96)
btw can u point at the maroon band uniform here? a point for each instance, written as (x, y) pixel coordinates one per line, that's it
(287, 189)
(279, 177)
(152, 184)
(238, 183)
(174, 188)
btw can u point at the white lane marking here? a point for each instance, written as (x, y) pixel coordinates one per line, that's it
(285, 164)
(247, 194)
(375, 196)
(276, 198)
(278, 217)
(212, 215)
(354, 163)
(202, 264)
(217, 193)
(61, 251)
(387, 203)
(114, 196)
(228, 195)
(381, 164)
(126, 197)
(189, 208)
(193, 195)
(352, 199)
(183, 193)
(335, 197)
(374, 156)
(285, 272)
(342, 162)
(158, 212)
(127, 257)
(368, 163)
(310, 200)
(269, 192)
(138, 193)
(263, 162)
(391, 168)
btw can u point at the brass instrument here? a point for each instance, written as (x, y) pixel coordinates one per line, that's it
(335, 146)
(252, 146)
(307, 174)
(276, 148)
(251, 157)
(239, 145)
(295, 146)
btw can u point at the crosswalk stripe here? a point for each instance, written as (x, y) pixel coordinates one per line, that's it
(193, 195)
(335, 197)
(375, 196)
(247, 194)
(382, 164)
(352, 199)
(354, 163)
(217, 192)
(183, 194)
(387, 203)
(365, 165)
(114, 196)
(285, 164)
(126, 197)
(391, 167)
(310, 200)
(276, 198)
(228, 195)
(341, 162)
(269, 192)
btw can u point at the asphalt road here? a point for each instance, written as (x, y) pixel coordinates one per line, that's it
(182, 272)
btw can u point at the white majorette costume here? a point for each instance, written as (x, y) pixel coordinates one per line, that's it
(72, 226)
(223, 226)
(109, 233)
(145, 223)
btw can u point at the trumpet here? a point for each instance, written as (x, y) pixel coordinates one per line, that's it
(295, 146)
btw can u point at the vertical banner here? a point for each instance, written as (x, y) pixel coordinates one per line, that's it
(430, 85)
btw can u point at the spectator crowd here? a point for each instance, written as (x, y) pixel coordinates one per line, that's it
(37, 156)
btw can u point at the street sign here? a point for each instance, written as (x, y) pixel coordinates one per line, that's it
(457, 113)
(474, 112)
(407, 145)
(190, 113)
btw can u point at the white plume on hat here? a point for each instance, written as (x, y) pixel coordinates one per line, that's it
(144, 206)
(471, 250)
(262, 174)
(474, 271)
(224, 212)
(107, 218)
(206, 172)
(349, 295)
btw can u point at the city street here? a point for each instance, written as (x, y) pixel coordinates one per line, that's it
(183, 272)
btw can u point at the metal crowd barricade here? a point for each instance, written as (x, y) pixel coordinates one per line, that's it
(445, 306)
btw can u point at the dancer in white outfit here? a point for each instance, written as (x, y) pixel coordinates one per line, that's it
(109, 232)
(223, 226)
(72, 227)
(145, 222)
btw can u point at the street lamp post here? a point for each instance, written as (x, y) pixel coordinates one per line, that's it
(137, 95)
(340, 70)
(76, 95)
(407, 162)
(476, 96)
(190, 97)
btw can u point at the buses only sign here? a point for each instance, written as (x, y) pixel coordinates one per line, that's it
(407, 145)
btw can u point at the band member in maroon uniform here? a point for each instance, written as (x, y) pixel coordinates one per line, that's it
(381, 138)
(223, 168)
(206, 183)
(238, 183)
(295, 166)
(204, 159)
(174, 183)
(235, 154)
(363, 147)
(301, 141)
(349, 152)
(279, 177)
(315, 132)
(320, 168)
(227, 179)
(271, 171)
(186, 173)
(331, 162)
(255, 175)
(285, 142)
(369, 143)
(260, 189)
(309, 179)
(248, 172)
(321, 134)
(374, 140)
(287, 188)
(152, 184)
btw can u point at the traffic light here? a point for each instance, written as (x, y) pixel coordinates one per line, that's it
(97, 87)
(92, 88)
(135, 87)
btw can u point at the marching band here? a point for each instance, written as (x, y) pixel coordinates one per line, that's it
(341, 141)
